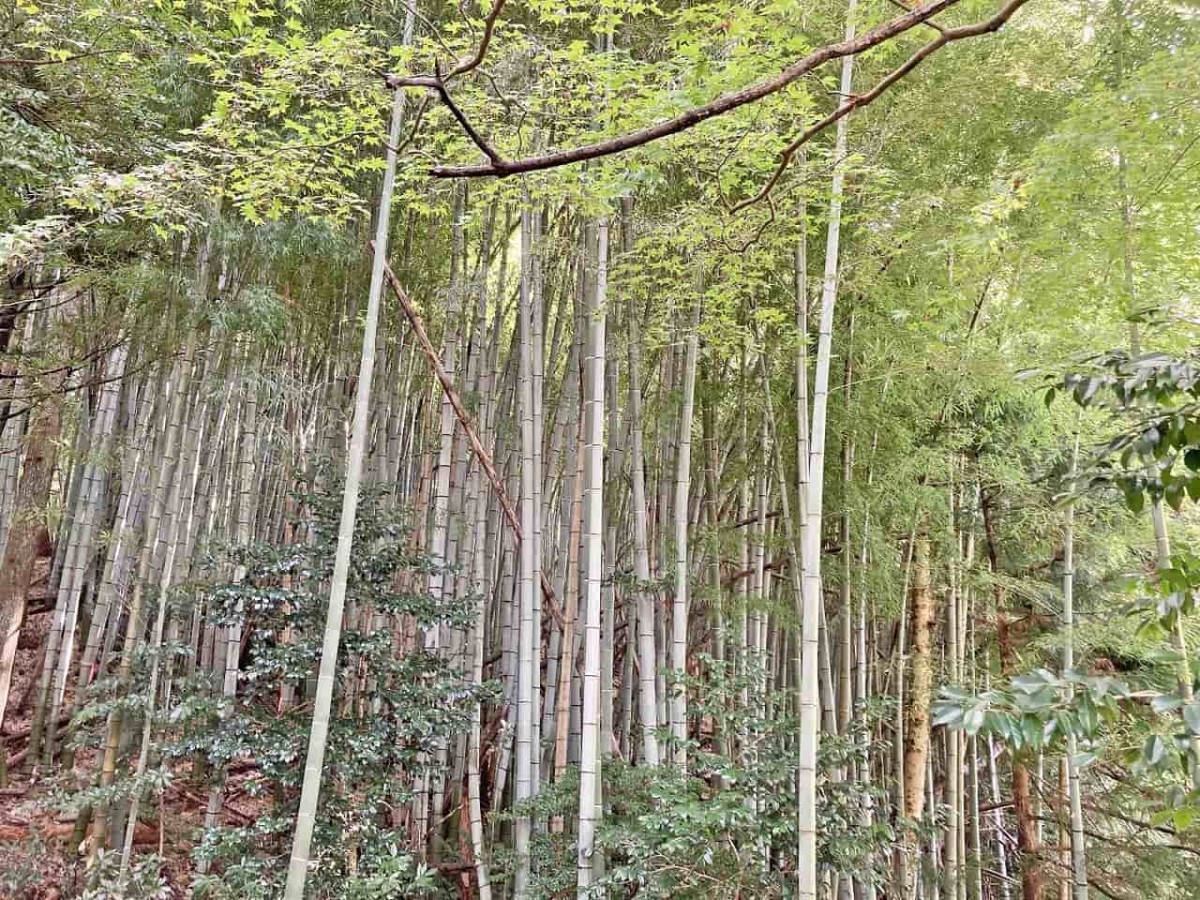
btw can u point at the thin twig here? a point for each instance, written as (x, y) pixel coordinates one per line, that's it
(947, 36)
(735, 99)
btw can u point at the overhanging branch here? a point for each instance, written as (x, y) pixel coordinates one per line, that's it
(692, 117)
(946, 36)
(463, 66)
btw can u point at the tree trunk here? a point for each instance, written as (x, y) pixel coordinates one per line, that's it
(647, 651)
(311, 788)
(679, 608)
(27, 524)
(527, 709)
(1027, 830)
(1078, 855)
(916, 726)
(590, 809)
(812, 472)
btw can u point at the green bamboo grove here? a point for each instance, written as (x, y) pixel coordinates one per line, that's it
(611, 449)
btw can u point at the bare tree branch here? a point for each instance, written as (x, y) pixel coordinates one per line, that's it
(489, 28)
(947, 36)
(463, 121)
(724, 103)
(462, 67)
(36, 63)
(464, 418)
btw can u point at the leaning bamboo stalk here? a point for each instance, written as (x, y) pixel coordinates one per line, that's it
(590, 809)
(679, 610)
(485, 458)
(306, 815)
(1078, 856)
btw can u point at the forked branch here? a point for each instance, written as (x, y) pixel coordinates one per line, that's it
(497, 165)
(945, 36)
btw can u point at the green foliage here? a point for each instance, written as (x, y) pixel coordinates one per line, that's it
(22, 868)
(727, 828)
(1036, 711)
(1157, 400)
(143, 881)
(391, 711)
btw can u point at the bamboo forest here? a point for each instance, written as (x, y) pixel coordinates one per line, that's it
(737, 449)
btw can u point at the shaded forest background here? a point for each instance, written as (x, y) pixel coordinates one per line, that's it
(788, 494)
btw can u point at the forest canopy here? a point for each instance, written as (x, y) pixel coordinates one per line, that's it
(614, 448)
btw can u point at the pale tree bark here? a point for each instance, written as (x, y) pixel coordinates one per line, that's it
(953, 742)
(477, 520)
(614, 734)
(812, 471)
(862, 689)
(1078, 857)
(156, 641)
(526, 702)
(537, 379)
(647, 651)
(79, 562)
(590, 809)
(27, 521)
(558, 694)
(135, 626)
(679, 609)
(243, 534)
(306, 816)
(111, 589)
(846, 594)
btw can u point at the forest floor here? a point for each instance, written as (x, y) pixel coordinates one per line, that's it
(37, 828)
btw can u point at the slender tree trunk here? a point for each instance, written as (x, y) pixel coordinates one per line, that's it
(526, 702)
(1078, 856)
(311, 788)
(478, 522)
(647, 651)
(27, 522)
(953, 737)
(1022, 790)
(916, 726)
(812, 472)
(679, 611)
(590, 809)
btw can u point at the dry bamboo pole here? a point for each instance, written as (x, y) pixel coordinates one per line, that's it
(485, 458)
(311, 787)
(590, 808)
(133, 632)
